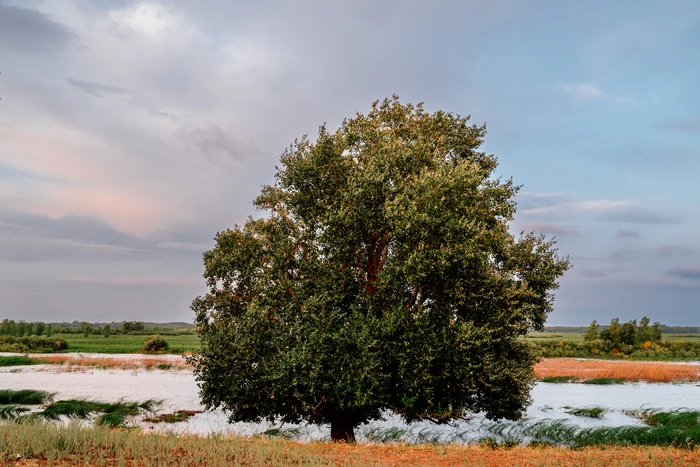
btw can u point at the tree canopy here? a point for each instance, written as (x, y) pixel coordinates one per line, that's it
(382, 277)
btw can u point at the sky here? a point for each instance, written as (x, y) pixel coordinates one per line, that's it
(131, 132)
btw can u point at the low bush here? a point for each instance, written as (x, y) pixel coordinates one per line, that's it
(32, 344)
(154, 344)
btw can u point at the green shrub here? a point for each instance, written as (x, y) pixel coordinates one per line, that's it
(31, 344)
(154, 344)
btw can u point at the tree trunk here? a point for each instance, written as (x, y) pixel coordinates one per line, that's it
(341, 431)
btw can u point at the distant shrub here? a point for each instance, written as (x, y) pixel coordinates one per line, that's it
(31, 344)
(154, 344)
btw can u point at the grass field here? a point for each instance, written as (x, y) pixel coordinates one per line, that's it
(188, 342)
(126, 343)
(42, 444)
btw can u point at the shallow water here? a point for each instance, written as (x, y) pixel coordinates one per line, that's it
(179, 391)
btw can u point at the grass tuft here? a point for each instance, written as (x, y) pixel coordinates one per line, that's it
(113, 414)
(385, 435)
(559, 379)
(605, 381)
(175, 417)
(24, 396)
(590, 412)
(685, 419)
(8, 412)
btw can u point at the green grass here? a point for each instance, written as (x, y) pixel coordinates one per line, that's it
(24, 396)
(18, 360)
(126, 343)
(605, 381)
(112, 414)
(561, 432)
(590, 412)
(686, 419)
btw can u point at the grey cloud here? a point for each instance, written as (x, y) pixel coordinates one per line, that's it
(213, 142)
(627, 234)
(23, 30)
(97, 89)
(686, 273)
(550, 228)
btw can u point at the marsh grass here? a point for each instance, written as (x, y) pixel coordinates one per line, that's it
(685, 419)
(284, 433)
(24, 396)
(561, 432)
(385, 435)
(17, 360)
(113, 414)
(559, 379)
(605, 381)
(175, 417)
(590, 412)
(8, 412)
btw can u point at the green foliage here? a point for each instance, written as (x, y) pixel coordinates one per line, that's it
(154, 344)
(132, 326)
(592, 331)
(24, 396)
(31, 344)
(383, 277)
(669, 349)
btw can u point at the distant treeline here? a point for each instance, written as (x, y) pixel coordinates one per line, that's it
(630, 339)
(23, 328)
(664, 328)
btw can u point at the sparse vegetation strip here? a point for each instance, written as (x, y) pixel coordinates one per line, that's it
(42, 444)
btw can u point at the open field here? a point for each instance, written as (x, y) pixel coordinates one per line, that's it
(41, 445)
(126, 343)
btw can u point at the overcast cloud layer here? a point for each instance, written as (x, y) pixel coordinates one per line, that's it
(131, 132)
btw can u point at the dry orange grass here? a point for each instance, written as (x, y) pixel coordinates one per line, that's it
(434, 456)
(443, 456)
(662, 372)
(71, 363)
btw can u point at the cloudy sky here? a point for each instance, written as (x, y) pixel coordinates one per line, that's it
(130, 132)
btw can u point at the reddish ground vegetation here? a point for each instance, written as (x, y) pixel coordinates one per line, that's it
(661, 372)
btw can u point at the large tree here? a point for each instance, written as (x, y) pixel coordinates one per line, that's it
(383, 277)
